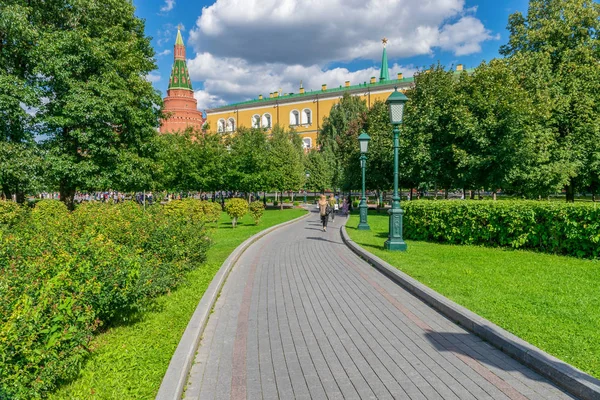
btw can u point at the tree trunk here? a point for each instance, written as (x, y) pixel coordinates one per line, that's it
(410, 195)
(435, 188)
(281, 202)
(570, 188)
(67, 195)
(265, 199)
(471, 195)
(446, 194)
(494, 196)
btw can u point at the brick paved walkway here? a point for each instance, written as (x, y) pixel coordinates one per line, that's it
(302, 317)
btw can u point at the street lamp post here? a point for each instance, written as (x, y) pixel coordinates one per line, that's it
(395, 104)
(363, 139)
(307, 176)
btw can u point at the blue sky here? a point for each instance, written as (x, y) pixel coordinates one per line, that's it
(238, 49)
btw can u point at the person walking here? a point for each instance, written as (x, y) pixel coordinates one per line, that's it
(324, 211)
(332, 206)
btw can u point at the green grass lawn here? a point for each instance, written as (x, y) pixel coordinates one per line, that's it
(550, 301)
(128, 362)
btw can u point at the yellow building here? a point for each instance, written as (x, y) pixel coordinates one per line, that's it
(303, 111)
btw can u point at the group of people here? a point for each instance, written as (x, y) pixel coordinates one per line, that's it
(330, 207)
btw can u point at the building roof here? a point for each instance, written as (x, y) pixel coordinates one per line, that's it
(334, 92)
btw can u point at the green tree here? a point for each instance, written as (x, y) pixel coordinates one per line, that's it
(99, 109)
(556, 51)
(248, 163)
(440, 118)
(340, 132)
(507, 147)
(285, 161)
(319, 170)
(20, 169)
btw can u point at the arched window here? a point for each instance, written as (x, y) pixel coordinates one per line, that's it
(230, 125)
(256, 121)
(221, 126)
(294, 118)
(306, 117)
(266, 121)
(306, 143)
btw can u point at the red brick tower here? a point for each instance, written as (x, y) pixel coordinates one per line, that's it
(180, 102)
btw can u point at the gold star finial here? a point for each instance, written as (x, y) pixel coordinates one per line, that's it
(179, 27)
(384, 41)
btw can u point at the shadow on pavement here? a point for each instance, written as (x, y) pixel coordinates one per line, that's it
(462, 345)
(324, 240)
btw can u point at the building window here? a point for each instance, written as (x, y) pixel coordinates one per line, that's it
(266, 121)
(307, 143)
(230, 125)
(294, 118)
(306, 117)
(256, 121)
(221, 126)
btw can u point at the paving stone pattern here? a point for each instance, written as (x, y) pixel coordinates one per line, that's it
(302, 317)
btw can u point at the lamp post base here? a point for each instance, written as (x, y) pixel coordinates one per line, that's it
(395, 241)
(363, 225)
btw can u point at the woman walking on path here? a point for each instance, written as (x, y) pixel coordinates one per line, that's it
(323, 211)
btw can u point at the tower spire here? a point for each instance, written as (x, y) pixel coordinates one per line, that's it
(180, 77)
(385, 71)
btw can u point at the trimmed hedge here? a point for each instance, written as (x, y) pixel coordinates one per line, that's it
(550, 227)
(64, 275)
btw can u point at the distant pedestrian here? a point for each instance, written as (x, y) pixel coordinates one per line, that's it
(332, 206)
(324, 211)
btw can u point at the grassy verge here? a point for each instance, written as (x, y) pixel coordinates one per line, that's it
(553, 302)
(128, 362)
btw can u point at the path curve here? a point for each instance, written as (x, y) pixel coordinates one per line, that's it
(302, 317)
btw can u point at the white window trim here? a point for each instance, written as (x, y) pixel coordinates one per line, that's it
(262, 124)
(230, 125)
(252, 121)
(221, 125)
(309, 143)
(309, 121)
(292, 116)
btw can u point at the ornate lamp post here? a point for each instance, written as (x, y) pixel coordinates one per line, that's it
(395, 105)
(363, 139)
(307, 176)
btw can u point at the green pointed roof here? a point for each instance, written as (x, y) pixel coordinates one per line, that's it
(385, 71)
(180, 77)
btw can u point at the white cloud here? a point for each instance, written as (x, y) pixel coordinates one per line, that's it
(249, 47)
(152, 77)
(317, 31)
(464, 37)
(234, 79)
(207, 100)
(169, 5)
(164, 53)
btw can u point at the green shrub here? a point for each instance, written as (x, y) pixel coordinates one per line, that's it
(236, 208)
(355, 204)
(63, 275)
(551, 227)
(212, 211)
(275, 203)
(10, 213)
(296, 203)
(257, 210)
